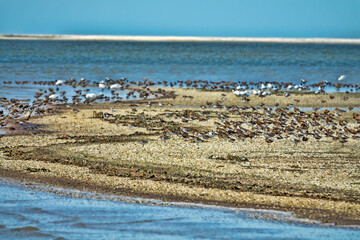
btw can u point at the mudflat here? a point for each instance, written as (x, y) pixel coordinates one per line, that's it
(298, 153)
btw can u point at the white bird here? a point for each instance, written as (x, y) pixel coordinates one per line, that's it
(91, 96)
(115, 86)
(342, 77)
(236, 92)
(286, 94)
(263, 86)
(59, 82)
(303, 80)
(269, 86)
(245, 93)
(102, 85)
(256, 92)
(290, 87)
(275, 88)
(54, 96)
(240, 87)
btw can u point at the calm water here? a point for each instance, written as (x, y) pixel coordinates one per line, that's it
(171, 61)
(48, 60)
(29, 214)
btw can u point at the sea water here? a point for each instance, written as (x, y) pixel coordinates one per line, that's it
(47, 60)
(31, 214)
(171, 61)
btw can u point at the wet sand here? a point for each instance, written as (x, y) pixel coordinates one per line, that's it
(125, 153)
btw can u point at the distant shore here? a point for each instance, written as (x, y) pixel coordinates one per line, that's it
(179, 38)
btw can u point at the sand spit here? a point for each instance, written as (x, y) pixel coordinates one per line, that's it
(167, 149)
(180, 38)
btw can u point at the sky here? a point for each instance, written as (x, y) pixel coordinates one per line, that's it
(236, 18)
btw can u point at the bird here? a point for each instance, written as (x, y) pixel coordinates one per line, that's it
(342, 77)
(54, 96)
(91, 96)
(59, 82)
(115, 86)
(102, 85)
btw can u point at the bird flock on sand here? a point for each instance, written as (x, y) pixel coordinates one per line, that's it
(271, 123)
(242, 122)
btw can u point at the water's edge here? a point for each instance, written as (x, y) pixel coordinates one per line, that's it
(265, 214)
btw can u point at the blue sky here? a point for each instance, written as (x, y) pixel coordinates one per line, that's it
(240, 18)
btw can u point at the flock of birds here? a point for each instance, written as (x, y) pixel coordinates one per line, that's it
(254, 121)
(244, 122)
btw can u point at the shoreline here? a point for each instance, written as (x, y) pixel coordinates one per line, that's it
(179, 38)
(75, 189)
(265, 214)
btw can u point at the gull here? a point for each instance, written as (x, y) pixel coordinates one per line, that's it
(102, 85)
(91, 96)
(54, 96)
(342, 77)
(256, 92)
(59, 82)
(275, 88)
(320, 90)
(237, 92)
(115, 86)
(242, 93)
(240, 87)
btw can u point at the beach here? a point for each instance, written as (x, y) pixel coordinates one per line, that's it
(173, 149)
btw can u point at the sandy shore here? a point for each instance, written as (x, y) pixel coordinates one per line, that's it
(180, 38)
(126, 154)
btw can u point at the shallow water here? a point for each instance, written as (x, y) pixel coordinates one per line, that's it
(30, 214)
(171, 61)
(47, 60)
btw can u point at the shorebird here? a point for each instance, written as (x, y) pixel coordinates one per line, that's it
(143, 142)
